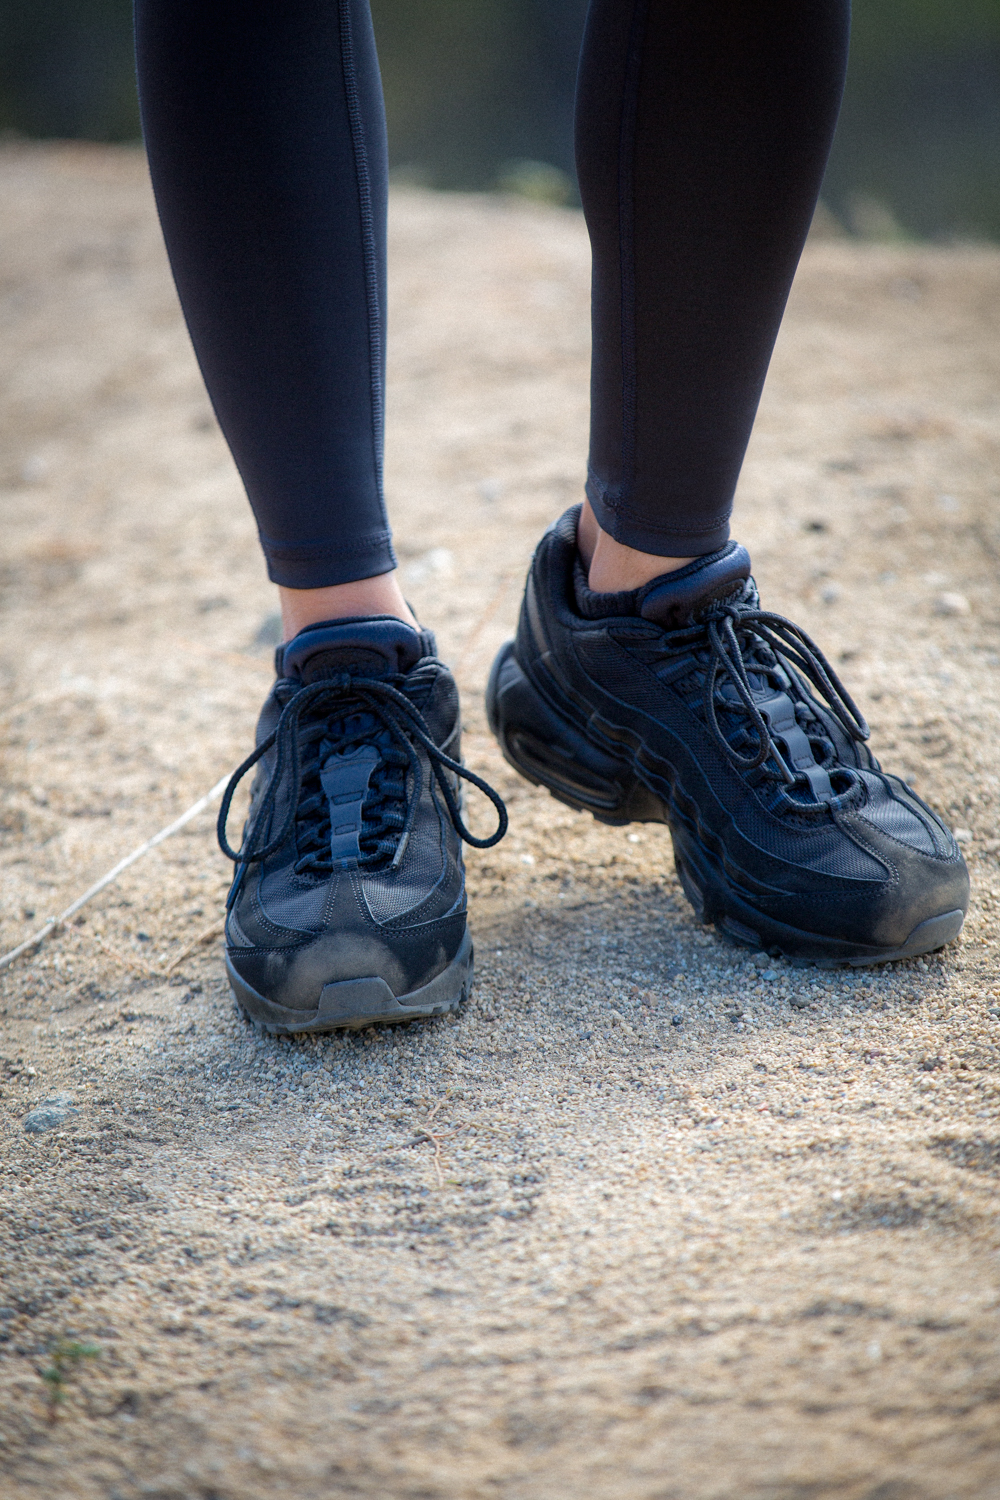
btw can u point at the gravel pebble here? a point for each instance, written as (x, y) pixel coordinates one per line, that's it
(49, 1114)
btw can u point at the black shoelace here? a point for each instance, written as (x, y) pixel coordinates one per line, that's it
(345, 712)
(738, 635)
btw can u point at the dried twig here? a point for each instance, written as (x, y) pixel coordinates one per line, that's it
(99, 885)
(435, 1139)
(210, 932)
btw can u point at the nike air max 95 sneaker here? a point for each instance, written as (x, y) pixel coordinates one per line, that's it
(686, 703)
(348, 905)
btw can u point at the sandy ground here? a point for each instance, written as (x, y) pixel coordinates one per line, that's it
(651, 1220)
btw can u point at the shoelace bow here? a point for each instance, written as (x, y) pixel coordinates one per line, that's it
(730, 629)
(398, 715)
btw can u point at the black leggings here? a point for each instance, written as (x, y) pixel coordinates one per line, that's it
(703, 128)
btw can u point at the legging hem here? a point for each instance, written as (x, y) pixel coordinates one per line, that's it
(660, 541)
(324, 567)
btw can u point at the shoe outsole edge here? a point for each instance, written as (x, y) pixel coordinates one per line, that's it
(349, 1004)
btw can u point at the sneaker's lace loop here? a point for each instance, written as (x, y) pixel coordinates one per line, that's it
(735, 631)
(336, 698)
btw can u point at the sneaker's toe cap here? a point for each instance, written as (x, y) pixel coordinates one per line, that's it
(294, 978)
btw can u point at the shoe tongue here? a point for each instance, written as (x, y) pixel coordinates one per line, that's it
(678, 599)
(370, 646)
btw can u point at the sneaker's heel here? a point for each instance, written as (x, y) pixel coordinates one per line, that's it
(550, 751)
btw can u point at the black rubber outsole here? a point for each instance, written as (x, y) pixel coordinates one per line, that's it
(599, 790)
(350, 1004)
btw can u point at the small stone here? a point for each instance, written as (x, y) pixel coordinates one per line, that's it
(830, 594)
(952, 604)
(49, 1114)
(963, 835)
(798, 1002)
(677, 1020)
(770, 975)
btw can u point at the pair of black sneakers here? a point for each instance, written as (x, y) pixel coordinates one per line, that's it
(682, 703)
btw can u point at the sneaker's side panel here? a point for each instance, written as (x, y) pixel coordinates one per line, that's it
(575, 709)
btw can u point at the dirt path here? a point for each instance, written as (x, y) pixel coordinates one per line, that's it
(651, 1220)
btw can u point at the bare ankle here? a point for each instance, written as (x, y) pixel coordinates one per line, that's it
(612, 567)
(380, 595)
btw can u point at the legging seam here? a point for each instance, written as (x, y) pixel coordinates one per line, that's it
(626, 235)
(368, 243)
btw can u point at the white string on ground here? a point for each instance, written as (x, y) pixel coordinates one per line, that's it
(43, 932)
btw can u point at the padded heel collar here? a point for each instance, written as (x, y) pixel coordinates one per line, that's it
(677, 599)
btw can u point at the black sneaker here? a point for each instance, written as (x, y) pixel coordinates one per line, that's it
(348, 905)
(685, 703)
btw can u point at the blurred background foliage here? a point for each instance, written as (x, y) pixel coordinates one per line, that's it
(479, 94)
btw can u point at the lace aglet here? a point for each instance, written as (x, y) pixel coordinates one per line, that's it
(400, 851)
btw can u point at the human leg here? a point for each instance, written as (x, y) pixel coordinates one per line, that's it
(646, 683)
(702, 134)
(266, 141)
(265, 134)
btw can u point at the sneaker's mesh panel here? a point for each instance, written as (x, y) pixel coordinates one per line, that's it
(289, 900)
(844, 858)
(394, 894)
(899, 823)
